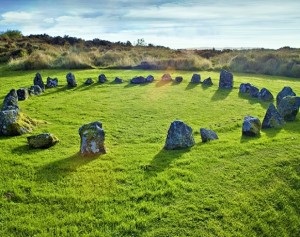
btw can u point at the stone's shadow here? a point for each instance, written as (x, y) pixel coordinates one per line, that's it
(20, 150)
(129, 85)
(175, 83)
(271, 132)
(264, 104)
(162, 161)
(162, 83)
(61, 168)
(248, 138)
(191, 85)
(205, 87)
(221, 94)
(59, 89)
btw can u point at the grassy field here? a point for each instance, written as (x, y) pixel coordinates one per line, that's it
(235, 186)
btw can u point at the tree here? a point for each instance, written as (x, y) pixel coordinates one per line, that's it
(140, 42)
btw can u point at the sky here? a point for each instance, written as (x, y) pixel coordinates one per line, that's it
(171, 23)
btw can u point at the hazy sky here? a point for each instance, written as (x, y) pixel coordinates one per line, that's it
(172, 23)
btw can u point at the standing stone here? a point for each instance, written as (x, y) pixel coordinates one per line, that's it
(166, 77)
(71, 80)
(283, 93)
(13, 123)
(179, 136)
(39, 81)
(178, 79)
(118, 80)
(253, 91)
(207, 82)
(92, 139)
(10, 101)
(289, 107)
(138, 80)
(265, 95)
(251, 126)
(35, 90)
(208, 135)
(102, 78)
(244, 87)
(44, 140)
(149, 78)
(51, 82)
(196, 78)
(22, 94)
(89, 81)
(226, 80)
(273, 118)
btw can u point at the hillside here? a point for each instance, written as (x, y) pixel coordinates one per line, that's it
(45, 52)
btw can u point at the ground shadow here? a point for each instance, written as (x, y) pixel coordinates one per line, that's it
(129, 85)
(251, 100)
(162, 83)
(272, 132)
(58, 89)
(176, 83)
(191, 85)
(221, 94)
(24, 149)
(245, 139)
(61, 168)
(162, 160)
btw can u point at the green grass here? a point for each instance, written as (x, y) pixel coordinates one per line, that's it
(235, 186)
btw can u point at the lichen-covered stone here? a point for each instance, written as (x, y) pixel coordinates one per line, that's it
(226, 80)
(89, 81)
(44, 140)
(251, 126)
(51, 82)
(283, 93)
(92, 139)
(138, 80)
(102, 78)
(289, 107)
(253, 91)
(149, 79)
(273, 118)
(179, 136)
(118, 80)
(244, 87)
(23, 94)
(166, 77)
(39, 81)
(208, 135)
(265, 95)
(35, 90)
(196, 78)
(71, 81)
(207, 82)
(178, 79)
(13, 122)
(10, 101)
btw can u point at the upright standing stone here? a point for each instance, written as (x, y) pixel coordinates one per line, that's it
(179, 136)
(273, 118)
(208, 135)
(11, 101)
(226, 80)
(35, 90)
(196, 78)
(39, 81)
(92, 139)
(102, 78)
(71, 80)
(245, 87)
(289, 107)
(251, 126)
(253, 91)
(283, 93)
(22, 94)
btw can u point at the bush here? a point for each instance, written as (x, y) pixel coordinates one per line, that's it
(11, 34)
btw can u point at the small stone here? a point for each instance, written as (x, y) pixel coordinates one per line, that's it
(178, 79)
(207, 82)
(208, 135)
(92, 139)
(253, 91)
(51, 82)
(179, 136)
(196, 78)
(283, 93)
(166, 77)
(226, 80)
(44, 140)
(289, 107)
(118, 80)
(273, 118)
(245, 87)
(102, 78)
(71, 80)
(265, 95)
(35, 90)
(89, 81)
(138, 80)
(23, 94)
(251, 126)
(149, 78)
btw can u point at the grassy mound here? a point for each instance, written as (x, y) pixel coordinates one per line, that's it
(235, 186)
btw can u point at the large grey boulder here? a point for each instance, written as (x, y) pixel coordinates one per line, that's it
(13, 122)
(253, 91)
(92, 139)
(179, 136)
(226, 80)
(196, 78)
(11, 101)
(244, 88)
(149, 79)
(39, 81)
(23, 94)
(289, 107)
(207, 82)
(273, 118)
(35, 90)
(44, 140)
(71, 81)
(283, 93)
(251, 126)
(166, 77)
(102, 78)
(51, 82)
(208, 135)
(265, 95)
(138, 80)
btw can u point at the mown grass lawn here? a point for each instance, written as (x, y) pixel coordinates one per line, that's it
(235, 186)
